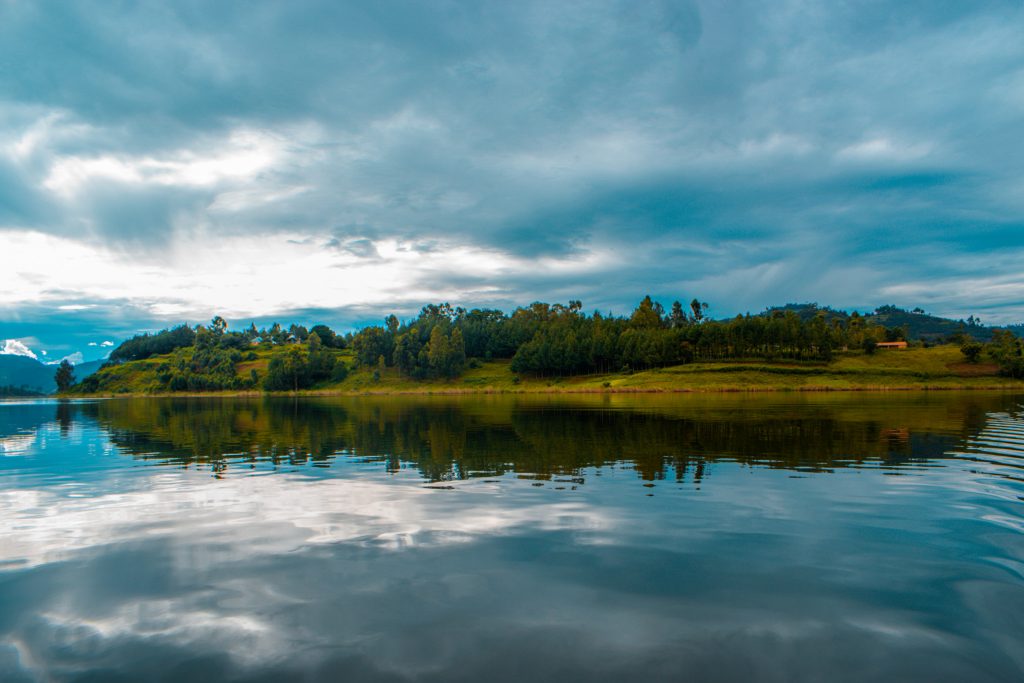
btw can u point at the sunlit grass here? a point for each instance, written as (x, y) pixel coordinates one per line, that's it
(940, 367)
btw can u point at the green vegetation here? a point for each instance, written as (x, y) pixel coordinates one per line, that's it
(941, 367)
(207, 365)
(972, 351)
(149, 345)
(555, 347)
(1008, 352)
(295, 367)
(64, 378)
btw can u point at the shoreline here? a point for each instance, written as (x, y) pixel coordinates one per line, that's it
(492, 391)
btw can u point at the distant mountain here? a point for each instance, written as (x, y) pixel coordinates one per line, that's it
(83, 370)
(921, 325)
(22, 371)
(19, 392)
(917, 323)
(809, 311)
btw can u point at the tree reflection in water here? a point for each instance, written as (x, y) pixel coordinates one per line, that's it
(449, 438)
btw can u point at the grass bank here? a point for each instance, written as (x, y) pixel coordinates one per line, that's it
(936, 368)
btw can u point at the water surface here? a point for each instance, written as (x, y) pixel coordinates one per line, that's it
(835, 537)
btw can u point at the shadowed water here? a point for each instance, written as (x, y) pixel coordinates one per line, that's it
(834, 537)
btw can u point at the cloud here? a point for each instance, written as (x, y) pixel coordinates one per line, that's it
(73, 358)
(254, 280)
(883, 149)
(14, 347)
(107, 343)
(502, 153)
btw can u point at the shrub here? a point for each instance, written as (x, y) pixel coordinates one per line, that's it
(971, 350)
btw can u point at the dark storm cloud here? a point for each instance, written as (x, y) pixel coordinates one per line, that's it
(750, 153)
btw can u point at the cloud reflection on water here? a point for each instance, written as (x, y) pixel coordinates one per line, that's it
(242, 510)
(145, 569)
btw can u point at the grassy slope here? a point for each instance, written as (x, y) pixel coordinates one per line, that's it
(934, 368)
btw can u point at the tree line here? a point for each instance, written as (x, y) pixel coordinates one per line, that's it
(561, 339)
(539, 340)
(449, 440)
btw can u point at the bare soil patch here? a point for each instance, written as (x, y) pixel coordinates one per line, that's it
(974, 369)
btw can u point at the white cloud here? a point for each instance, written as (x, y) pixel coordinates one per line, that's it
(93, 344)
(239, 276)
(14, 347)
(107, 343)
(997, 297)
(883, 149)
(243, 155)
(73, 358)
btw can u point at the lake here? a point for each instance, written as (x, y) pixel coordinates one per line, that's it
(780, 537)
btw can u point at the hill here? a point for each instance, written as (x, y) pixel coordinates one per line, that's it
(938, 367)
(916, 324)
(22, 371)
(553, 345)
(30, 374)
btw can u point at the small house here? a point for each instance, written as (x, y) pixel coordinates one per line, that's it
(892, 345)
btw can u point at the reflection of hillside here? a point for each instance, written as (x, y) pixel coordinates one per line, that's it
(218, 431)
(458, 438)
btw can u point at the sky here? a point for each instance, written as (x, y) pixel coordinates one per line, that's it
(334, 162)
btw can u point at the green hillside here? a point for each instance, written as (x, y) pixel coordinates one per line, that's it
(940, 367)
(559, 347)
(916, 324)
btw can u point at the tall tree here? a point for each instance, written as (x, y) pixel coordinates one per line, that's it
(699, 309)
(456, 354)
(65, 375)
(677, 318)
(321, 360)
(438, 351)
(646, 315)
